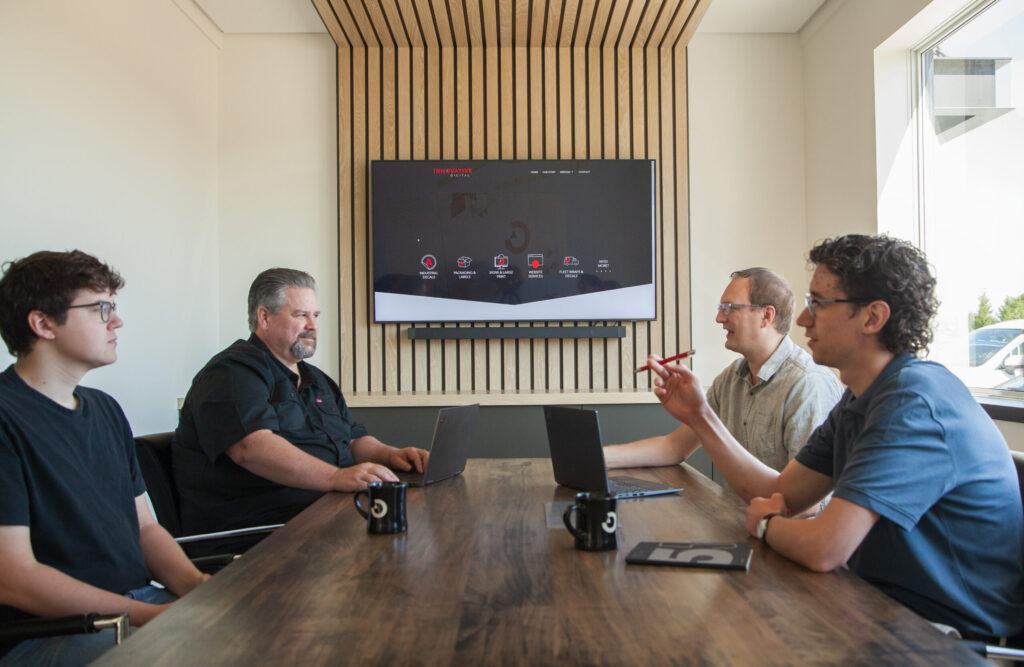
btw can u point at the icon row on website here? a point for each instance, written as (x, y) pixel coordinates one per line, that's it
(533, 261)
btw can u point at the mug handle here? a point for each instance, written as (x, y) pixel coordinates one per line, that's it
(359, 508)
(566, 517)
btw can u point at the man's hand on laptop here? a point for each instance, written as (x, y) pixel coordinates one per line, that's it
(409, 459)
(358, 476)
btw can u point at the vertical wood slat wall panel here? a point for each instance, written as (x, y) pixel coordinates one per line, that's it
(582, 79)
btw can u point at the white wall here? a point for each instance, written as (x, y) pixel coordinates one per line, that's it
(108, 143)
(838, 77)
(189, 160)
(746, 173)
(278, 174)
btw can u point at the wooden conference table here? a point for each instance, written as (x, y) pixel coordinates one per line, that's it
(480, 578)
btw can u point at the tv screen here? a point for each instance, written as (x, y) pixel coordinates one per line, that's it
(513, 240)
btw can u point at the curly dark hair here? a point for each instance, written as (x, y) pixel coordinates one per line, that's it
(882, 268)
(47, 281)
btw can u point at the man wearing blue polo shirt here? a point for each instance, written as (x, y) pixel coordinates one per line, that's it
(926, 504)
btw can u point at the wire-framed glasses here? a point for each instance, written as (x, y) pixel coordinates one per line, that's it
(727, 307)
(105, 308)
(811, 302)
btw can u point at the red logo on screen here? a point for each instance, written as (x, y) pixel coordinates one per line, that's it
(454, 170)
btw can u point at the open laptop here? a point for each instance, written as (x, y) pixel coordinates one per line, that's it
(449, 448)
(574, 436)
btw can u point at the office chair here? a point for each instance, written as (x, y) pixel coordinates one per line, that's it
(154, 455)
(1003, 652)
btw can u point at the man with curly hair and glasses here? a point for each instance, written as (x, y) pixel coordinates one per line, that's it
(76, 533)
(926, 504)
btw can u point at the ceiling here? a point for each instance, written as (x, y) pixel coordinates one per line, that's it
(474, 23)
(275, 16)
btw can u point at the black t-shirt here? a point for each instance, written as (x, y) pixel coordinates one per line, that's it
(72, 478)
(242, 390)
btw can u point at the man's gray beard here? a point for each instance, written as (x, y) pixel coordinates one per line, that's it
(300, 352)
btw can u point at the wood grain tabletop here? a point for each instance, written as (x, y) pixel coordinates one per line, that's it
(481, 578)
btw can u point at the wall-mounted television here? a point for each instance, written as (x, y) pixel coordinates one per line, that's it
(513, 240)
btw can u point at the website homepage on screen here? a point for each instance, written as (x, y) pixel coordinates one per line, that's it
(513, 240)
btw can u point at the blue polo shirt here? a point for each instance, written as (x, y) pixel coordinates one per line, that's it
(917, 449)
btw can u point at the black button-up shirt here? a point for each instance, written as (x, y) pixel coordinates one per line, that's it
(242, 390)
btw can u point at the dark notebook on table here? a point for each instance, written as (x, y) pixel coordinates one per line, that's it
(717, 555)
(577, 456)
(449, 448)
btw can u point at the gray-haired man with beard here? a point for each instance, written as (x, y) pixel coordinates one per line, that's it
(262, 433)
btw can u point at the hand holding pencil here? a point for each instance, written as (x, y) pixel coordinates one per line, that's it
(681, 355)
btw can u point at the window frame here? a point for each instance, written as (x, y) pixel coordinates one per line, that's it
(999, 404)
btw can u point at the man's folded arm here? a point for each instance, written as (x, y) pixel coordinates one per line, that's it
(272, 457)
(39, 589)
(825, 542)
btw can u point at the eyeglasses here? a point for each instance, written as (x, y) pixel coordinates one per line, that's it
(729, 307)
(812, 302)
(105, 308)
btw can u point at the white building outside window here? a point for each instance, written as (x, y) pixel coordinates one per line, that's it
(970, 82)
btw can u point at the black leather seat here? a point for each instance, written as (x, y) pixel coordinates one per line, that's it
(154, 454)
(1014, 653)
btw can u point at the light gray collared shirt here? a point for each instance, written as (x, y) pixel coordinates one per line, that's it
(774, 418)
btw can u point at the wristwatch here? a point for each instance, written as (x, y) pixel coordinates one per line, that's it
(762, 525)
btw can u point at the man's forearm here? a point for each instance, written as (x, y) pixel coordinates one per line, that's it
(822, 543)
(45, 591)
(268, 455)
(368, 449)
(798, 540)
(167, 562)
(662, 450)
(742, 471)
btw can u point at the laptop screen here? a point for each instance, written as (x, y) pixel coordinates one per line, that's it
(574, 437)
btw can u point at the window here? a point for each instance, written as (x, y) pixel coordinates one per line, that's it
(971, 192)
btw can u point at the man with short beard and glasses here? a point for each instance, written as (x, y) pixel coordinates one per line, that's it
(262, 433)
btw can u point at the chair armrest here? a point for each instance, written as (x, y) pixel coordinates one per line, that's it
(203, 537)
(33, 628)
(990, 651)
(213, 563)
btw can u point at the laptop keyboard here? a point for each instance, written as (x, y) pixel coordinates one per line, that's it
(626, 489)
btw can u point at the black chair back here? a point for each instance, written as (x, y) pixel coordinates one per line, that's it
(154, 455)
(1018, 463)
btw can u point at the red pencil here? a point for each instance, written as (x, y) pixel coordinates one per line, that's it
(681, 355)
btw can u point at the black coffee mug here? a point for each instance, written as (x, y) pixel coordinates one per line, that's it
(386, 513)
(596, 522)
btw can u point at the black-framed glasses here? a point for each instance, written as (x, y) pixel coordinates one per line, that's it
(105, 308)
(727, 307)
(811, 302)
